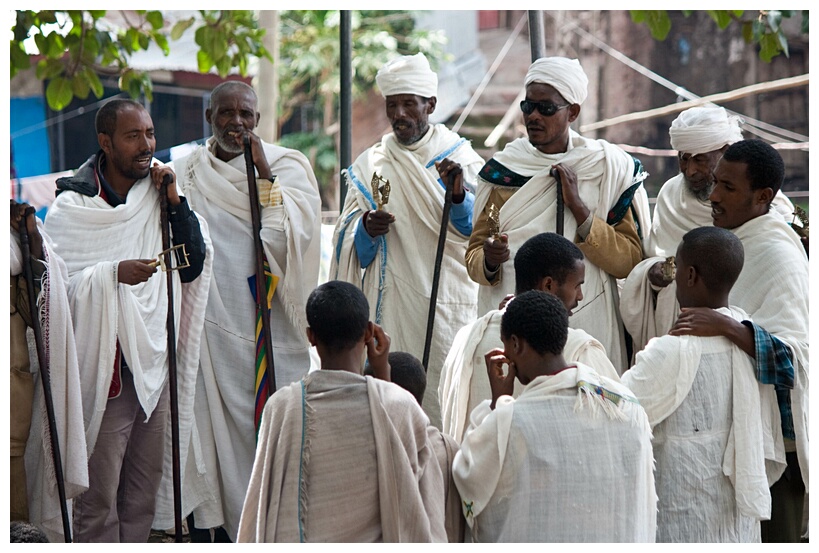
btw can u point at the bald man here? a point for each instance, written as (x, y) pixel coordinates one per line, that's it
(228, 408)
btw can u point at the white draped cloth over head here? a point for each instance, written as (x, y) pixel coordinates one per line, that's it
(322, 475)
(225, 441)
(711, 439)
(93, 237)
(569, 460)
(61, 353)
(647, 313)
(604, 173)
(465, 383)
(398, 283)
(773, 289)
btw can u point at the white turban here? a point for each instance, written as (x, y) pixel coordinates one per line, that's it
(704, 129)
(407, 75)
(565, 75)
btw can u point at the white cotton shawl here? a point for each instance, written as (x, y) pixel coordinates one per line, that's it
(225, 436)
(604, 172)
(773, 289)
(60, 350)
(398, 282)
(464, 383)
(282, 494)
(92, 238)
(559, 464)
(662, 379)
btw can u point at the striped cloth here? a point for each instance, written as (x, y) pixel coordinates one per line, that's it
(262, 383)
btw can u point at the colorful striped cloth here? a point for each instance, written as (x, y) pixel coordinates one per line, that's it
(262, 381)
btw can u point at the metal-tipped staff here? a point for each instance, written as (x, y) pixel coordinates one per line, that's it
(170, 326)
(436, 275)
(45, 373)
(261, 289)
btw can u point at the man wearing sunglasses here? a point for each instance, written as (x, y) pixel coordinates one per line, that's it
(605, 207)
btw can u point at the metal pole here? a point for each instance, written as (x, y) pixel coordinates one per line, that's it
(346, 100)
(536, 34)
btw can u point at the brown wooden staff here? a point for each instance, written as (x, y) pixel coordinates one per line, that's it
(261, 289)
(170, 326)
(45, 373)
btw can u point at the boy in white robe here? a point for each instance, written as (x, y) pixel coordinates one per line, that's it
(703, 404)
(547, 262)
(344, 457)
(570, 459)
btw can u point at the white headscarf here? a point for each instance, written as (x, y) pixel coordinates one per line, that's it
(407, 75)
(704, 129)
(564, 74)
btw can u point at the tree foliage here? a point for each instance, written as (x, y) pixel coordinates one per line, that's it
(76, 47)
(762, 28)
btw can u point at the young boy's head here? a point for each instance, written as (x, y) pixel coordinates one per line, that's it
(709, 260)
(406, 371)
(552, 263)
(338, 317)
(534, 326)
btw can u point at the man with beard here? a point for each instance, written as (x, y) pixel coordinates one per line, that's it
(395, 243)
(773, 290)
(106, 226)
(700, 135)
(606, 207)
(228, 402)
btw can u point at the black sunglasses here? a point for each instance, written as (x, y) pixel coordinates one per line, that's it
(544, 108)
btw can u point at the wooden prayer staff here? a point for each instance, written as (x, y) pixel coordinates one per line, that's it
(559, 216)
(170, 326)
(45, 374)
(436, 275)
(261, 280)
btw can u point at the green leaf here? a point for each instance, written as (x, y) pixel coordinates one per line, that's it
(759, 30)
(203, 61)
(783, 43)
(747, 32)
(722, 17)
(91, 45)
(56, 46)
(180, 27)
(162, 41)
(80, 86)
(19, 58)
(41, 42)
(94, 82)
(774, 20)
(59, 93)
(155, 19)
(805, 21)
(769, 47)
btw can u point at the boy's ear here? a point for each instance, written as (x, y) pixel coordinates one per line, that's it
(692, 277)
(368, 334)
(311, 338)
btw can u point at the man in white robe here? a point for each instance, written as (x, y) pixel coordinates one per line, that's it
(33, 489)
(106, 226)
(570, 459)
(773, 290)
(700, 135)
(703, 403)
(395, 246)
(546, 262)
(214, 178)
(605, 205)
(344, 457)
